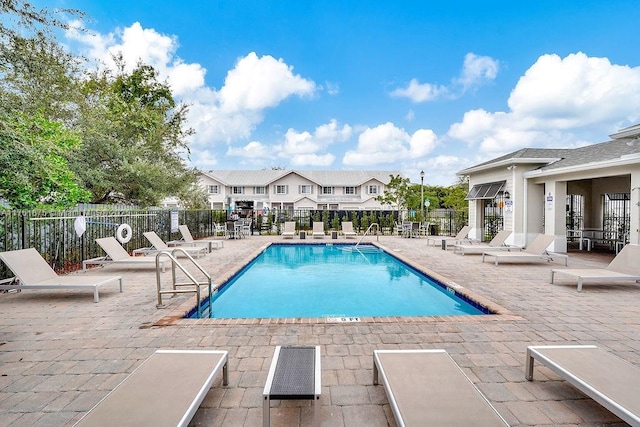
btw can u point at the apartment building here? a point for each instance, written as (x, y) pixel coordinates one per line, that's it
(295, 189)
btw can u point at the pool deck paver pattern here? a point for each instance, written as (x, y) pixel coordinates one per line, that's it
(60, 353)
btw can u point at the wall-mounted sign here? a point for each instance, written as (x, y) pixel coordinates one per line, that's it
(508, 206)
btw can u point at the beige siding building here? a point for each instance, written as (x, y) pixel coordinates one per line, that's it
(295, 189)
(590, 193)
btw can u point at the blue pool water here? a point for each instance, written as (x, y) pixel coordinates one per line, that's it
(333, 281)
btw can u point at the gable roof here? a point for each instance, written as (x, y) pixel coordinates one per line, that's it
(325, 178)
(632, 132)
(541, 156)
(558, 158)
(596, 153)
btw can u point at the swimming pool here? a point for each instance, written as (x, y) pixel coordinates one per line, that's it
(334, 280)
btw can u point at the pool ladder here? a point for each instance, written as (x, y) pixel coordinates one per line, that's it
(191, 286)
(367, 232)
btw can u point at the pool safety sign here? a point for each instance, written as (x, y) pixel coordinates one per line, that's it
(508, 206)
(174, 221)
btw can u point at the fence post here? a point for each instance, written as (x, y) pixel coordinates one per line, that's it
(24, 232)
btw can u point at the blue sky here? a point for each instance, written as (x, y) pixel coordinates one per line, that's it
(379, 85)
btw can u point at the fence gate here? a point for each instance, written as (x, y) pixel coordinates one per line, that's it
(492, 217)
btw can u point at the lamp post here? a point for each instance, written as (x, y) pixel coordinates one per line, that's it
(422, 195)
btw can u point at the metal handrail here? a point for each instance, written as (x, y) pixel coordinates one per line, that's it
(365, 233)
(175, 285)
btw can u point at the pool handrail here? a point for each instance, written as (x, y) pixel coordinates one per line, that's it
(175, 285)
(365, 233)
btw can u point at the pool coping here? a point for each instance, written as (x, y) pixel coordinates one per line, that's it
(176, 317)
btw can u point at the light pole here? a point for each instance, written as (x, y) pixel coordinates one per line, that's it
(422, 195)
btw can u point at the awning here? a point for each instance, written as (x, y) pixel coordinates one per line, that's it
(485, 191)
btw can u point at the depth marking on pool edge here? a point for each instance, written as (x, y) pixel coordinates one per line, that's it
(342, 319)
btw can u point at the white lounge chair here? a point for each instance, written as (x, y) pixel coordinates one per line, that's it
(188, 240)
(318, 230)
(33, 272)
(624, 267)
(535, 251)
(612, 382)
(448, 240)
(116, 254)
(166, 389)
(289, 230)
(477, 248)
(428, 388)
(347, 230)
(158, 245)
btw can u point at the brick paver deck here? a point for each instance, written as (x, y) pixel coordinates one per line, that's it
(60, 353)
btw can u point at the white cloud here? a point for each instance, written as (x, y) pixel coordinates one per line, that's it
(553, 103)
(317, 160)
(476, 71)
(410, 116)
(306, 149)
(136, 44)
(252, 86)
(332, 88)
(252, 150)
(299, 142)
(420, 92)
(204, 160)
(438, 170)
(331, 133)
(575, 91)
(422, 142)
(259, 83)
(386, 144)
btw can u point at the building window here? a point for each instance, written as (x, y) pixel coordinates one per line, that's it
(327, 190)
(259, 190)
(350, 190)
(372, 189)
(282, 189)
(213, 189)
(306, 189)
(237, 190)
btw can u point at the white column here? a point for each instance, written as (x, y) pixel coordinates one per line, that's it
(555, 215)
(634, 225)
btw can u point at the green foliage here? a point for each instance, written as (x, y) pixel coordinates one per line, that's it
(39, 77)
(134, 138)
(35, 173)
(396, 192)
(132, 131)
(455, 198)
(365, 221)
(19, 16)
(195, 197)
(355, 220)
(452, 197)
(335, 222)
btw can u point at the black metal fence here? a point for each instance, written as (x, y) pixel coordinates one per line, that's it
(53, 235)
